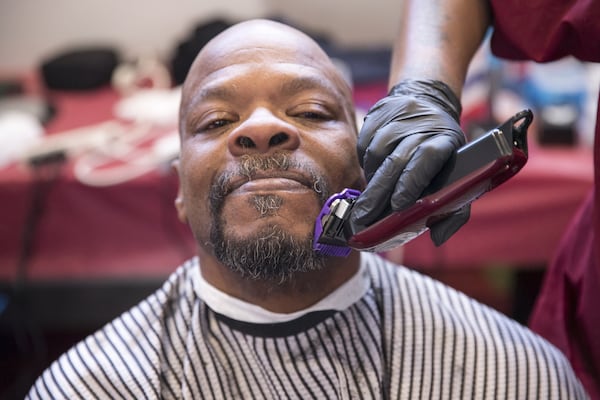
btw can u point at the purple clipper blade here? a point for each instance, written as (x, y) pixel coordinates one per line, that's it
(329, 239)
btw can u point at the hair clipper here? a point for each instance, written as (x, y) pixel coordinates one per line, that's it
(475, 169)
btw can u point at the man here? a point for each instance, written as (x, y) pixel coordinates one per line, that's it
(408, 136)
(267, 134)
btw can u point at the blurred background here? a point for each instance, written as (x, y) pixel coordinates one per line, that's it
(89, 95)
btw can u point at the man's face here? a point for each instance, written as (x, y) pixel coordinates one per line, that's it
(267, 135)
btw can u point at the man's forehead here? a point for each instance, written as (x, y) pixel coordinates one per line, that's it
(260, 42)
(289, 80)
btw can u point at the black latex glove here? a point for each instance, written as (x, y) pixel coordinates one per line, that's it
(406, 139)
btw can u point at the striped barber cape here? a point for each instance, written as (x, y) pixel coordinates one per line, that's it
(406, 337)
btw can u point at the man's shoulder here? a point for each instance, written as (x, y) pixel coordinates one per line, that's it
(436, 302)
(430, 313)
(121, 358)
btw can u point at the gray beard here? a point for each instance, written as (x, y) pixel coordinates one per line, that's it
(271, 254)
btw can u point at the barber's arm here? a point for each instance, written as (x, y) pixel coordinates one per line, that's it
(409, 135)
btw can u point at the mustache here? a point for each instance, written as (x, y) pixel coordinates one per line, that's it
(254, 166)
(249, 164)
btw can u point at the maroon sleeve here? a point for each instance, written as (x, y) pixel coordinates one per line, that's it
(566, 311)
(545, 30)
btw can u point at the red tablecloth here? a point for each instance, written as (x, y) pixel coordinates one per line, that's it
(131, 230)
(126, 230)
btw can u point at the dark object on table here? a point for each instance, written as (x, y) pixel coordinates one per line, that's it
(80, 68)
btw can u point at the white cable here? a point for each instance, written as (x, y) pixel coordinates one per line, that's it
(135, 160)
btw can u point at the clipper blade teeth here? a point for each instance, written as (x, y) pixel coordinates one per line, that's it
(335, 251)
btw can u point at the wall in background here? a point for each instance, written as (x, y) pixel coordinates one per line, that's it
(349, 22)
(30, 30)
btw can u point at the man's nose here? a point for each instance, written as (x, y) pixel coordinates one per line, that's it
(262, 132)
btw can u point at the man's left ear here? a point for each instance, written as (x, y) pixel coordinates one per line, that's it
(179, 203)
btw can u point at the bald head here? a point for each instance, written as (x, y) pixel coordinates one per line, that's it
(261, 41)
(258, 38)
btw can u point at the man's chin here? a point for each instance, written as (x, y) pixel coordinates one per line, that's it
(271, 253)
(264, 227)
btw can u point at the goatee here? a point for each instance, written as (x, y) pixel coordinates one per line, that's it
(271, 254)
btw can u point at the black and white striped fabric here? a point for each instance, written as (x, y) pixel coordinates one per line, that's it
(409, 337)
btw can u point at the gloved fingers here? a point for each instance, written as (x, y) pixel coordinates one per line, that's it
(390, 141)
(426, 162)
(384, 112)
(370, 206)
(371, 125)
(375, 199)
(442, 230)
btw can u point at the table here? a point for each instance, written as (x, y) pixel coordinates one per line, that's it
(83, 232)
(130, 230)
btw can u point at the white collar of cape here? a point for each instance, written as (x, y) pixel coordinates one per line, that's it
(340, 299)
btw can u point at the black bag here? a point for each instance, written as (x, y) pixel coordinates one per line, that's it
(80, 68)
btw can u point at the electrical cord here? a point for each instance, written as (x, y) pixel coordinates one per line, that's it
(29, 339)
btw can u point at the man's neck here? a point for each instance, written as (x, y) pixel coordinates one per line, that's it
(306, 289)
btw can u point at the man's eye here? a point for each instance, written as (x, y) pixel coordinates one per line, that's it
(219, 123)
(212, 125)
(313, 111)
(315, 115)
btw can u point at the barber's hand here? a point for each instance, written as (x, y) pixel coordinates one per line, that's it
(406, 139)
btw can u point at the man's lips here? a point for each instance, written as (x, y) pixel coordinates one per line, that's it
(271, 185)
(271, 181)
